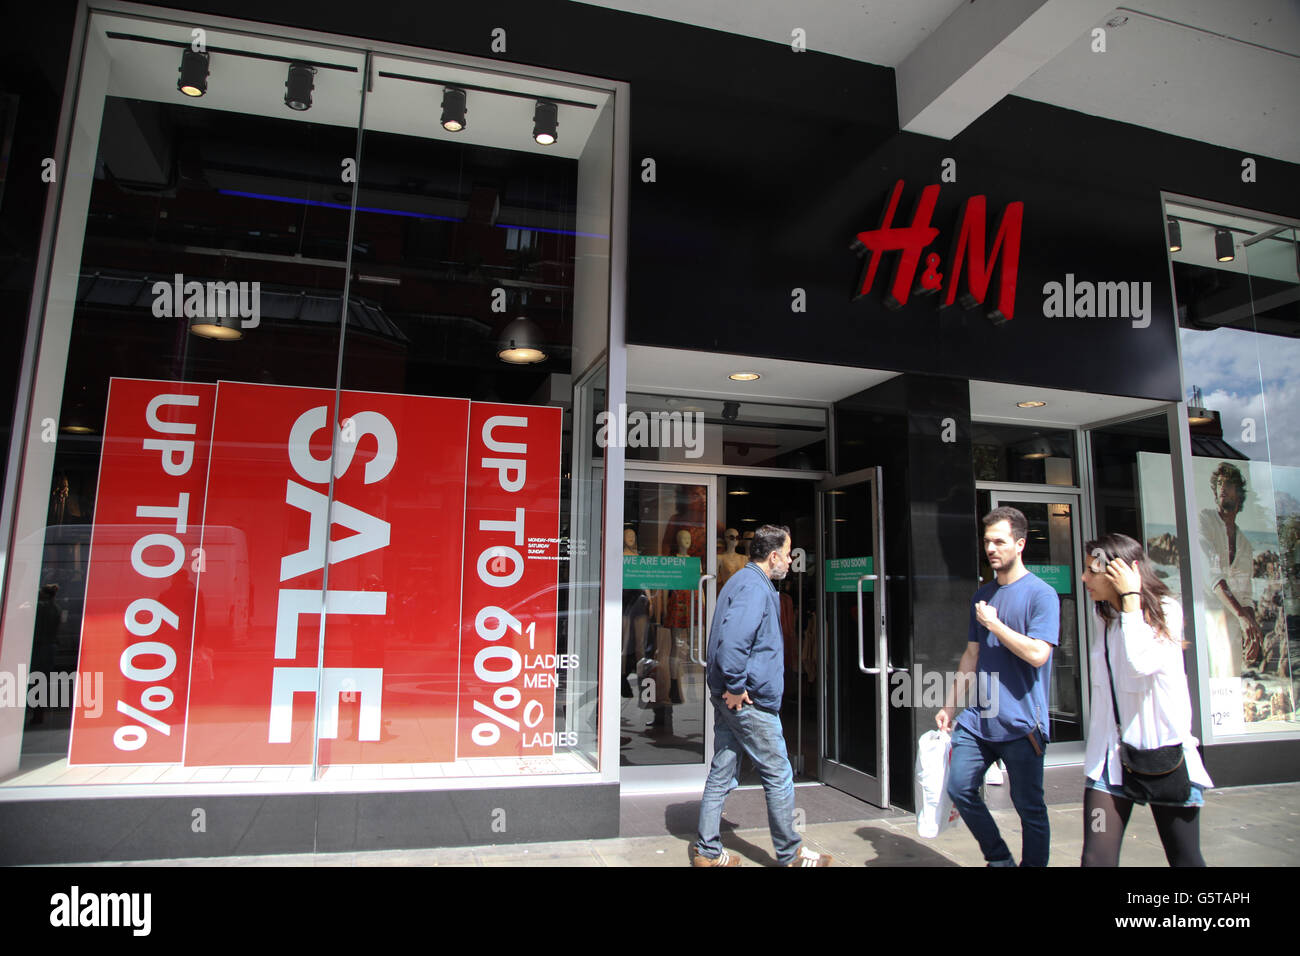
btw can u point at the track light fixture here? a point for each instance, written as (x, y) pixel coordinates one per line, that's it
(194, 73)
(1223, 245)
(1175, 235)
(453, 110)
(546, 123)
(299, 86)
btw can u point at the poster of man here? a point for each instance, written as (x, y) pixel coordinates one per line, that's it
(1249, 583)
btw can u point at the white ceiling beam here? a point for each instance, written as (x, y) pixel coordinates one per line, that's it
(980, 54)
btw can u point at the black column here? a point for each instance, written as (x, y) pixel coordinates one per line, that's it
(916, 428)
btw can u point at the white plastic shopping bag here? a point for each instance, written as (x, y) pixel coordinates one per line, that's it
(934, 809)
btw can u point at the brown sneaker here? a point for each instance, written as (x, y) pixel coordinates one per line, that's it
(722, 859)
(807, 857)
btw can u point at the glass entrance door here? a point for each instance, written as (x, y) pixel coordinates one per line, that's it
(669, 584)
(1052, 552)
(855, 742)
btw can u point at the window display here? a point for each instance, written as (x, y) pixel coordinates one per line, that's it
(309, 507)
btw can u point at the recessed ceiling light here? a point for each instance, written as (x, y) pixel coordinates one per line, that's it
(1030, 404)
(744, 376)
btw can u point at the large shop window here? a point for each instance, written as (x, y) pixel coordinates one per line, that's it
(1238, 298)
(301, 500)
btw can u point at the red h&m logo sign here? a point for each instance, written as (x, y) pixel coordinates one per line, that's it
(970, 255)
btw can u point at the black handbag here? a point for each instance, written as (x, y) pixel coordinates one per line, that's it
(1150, 776)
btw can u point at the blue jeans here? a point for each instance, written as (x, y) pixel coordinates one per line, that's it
(971, 757)
(758, 734)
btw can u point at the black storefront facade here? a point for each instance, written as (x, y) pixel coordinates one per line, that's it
(734, 207)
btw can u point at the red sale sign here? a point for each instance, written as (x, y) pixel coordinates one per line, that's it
(387, 627)
(343, 580)
(507, 656)
(144, 560)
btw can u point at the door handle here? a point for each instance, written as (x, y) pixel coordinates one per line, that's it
(862, 660)
(862, 664)
(704, 606)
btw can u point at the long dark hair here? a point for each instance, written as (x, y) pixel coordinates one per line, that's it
(1116, 545)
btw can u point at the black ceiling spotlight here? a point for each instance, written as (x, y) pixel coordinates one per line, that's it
(546, 123)
(298, 87)
(1223, 245)
(194, 73)
(453, 110)
(730, 411)
(1175, 235)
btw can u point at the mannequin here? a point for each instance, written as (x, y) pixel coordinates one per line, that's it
(731, 560)
(686, 535)
(746, 540)
(636, 618)
(681, 635)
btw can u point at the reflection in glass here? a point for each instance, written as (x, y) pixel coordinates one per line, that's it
(666, 550)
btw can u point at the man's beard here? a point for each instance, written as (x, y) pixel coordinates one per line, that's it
(777, 575)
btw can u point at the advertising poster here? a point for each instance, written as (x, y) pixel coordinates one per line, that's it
(244, 617)
(1240, 525)
(143, 570)
(508, 664)
(391, 608)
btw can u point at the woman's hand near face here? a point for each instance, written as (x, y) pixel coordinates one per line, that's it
(1124, 576)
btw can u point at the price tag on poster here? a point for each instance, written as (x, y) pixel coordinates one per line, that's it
(1226, 705)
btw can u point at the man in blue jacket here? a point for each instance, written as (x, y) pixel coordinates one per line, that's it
(746, 679)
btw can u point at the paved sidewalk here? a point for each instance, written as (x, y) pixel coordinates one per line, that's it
(1242, 826)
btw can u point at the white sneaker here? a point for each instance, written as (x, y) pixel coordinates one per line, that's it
(994, 775)
(807, 857)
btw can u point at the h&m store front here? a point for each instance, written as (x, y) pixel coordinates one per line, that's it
(381, 447)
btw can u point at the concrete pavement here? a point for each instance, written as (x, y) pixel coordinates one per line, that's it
(1242, 826)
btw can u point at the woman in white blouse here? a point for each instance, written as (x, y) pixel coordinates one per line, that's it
(1143, 628)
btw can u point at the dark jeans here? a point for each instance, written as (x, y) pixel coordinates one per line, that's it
(971, 757)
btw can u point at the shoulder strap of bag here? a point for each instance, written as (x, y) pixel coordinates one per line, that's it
(1105, 640)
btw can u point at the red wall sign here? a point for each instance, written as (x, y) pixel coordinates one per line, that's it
(967, 253)
(379, 568)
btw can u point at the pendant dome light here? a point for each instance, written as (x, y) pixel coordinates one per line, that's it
(521, 343)
(224, 328)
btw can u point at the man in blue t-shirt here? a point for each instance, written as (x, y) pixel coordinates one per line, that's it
(1014, 624)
